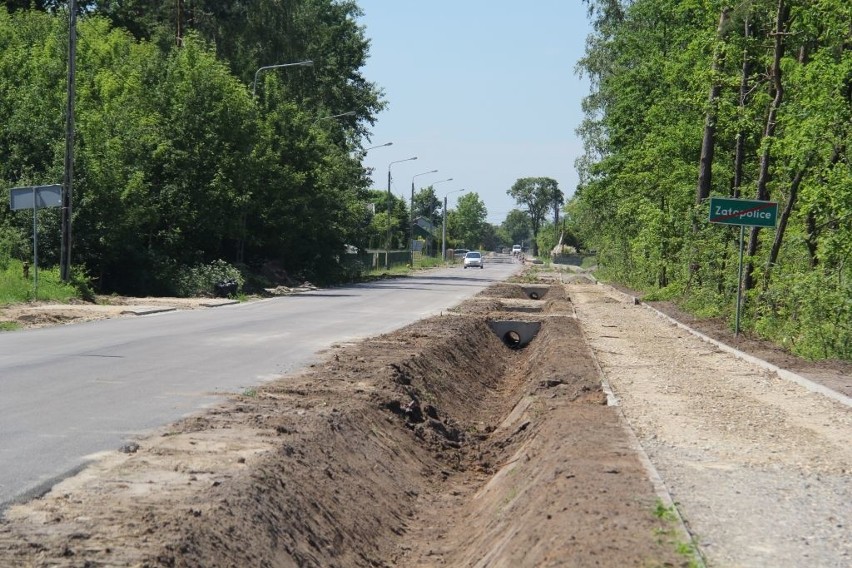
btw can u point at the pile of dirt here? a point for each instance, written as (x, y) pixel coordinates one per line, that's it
(436, 444)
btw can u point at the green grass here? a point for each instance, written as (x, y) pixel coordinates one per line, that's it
(423, 263)
(15, 289)
(688, 550)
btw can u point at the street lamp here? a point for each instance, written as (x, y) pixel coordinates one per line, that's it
(434, 183)
(387, 245)
(411, 213)
(444, 227)
(350, 113)
(307, 63)
(365, 150)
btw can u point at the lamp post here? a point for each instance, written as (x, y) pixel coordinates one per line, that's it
(68, 176)
(444, 227)
(243, 216)
(350, 113)
(434, 183)
(307, 63)
(411, 213)
(365, 150)
(387, 244)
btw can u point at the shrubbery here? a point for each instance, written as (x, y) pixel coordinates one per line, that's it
(203, 279)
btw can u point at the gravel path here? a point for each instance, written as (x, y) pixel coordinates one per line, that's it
(760, 467)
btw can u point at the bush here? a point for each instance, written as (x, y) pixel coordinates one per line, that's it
(209, 280)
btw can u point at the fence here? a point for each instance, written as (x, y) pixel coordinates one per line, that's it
(376, 259)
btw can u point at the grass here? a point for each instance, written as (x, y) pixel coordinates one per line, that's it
(688, 550)
(589, 262)
(423, 263)
(15, 289)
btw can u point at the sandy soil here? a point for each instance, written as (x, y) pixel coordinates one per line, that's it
(434, 445)
(439, 445)
(45, 314)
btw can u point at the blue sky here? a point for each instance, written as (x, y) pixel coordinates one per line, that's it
(482, 90)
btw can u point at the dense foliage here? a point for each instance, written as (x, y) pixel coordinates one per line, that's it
(467, 222)
(181, 160)
(700, 98)
(538, 196)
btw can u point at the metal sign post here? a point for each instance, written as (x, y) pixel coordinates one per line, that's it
(742, 212)
(33, 197)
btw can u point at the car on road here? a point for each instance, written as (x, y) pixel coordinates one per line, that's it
(473, 259)
(516, 250)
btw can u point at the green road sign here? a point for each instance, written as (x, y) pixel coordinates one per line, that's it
(743, 212)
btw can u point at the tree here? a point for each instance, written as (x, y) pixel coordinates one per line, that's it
(467, 222)
(427, 204)
(516, 228)
(708, 142)
(649, 121)
(176, 163)
(538, 195)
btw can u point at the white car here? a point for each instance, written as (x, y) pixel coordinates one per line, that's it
(473, 259)
(516, 250)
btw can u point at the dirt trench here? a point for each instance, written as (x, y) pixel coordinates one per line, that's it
(436, 445)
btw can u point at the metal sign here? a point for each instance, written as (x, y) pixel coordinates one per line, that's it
(742, 212)
(35, 197)
(748, 212)
(38, 196)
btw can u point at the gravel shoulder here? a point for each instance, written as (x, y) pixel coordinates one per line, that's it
(759, 466)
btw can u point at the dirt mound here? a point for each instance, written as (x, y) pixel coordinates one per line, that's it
(436, 444)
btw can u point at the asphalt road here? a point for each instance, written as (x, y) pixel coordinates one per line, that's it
(70, 392)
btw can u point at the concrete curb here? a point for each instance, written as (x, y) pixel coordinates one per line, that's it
(146, 310)
(217, 303)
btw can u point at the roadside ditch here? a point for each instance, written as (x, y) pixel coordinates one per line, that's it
(449, 442)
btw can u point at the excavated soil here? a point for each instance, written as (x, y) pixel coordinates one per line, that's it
(437, 445)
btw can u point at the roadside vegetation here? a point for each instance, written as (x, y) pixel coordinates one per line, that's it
(748, 99)
(209, 143)
(15, 288)
(181, 159)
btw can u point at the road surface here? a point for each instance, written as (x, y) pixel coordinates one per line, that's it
(70, 392)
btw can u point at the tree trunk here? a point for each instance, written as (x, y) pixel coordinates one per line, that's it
(739, 149)
(782, 224)
(811, 228)
(810, 240)
(708, 142)
(769, 132)
(791, 202)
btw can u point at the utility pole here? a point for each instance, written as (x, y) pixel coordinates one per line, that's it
(68, 182)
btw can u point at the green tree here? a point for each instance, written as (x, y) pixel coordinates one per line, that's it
(539, 195)
(775, 125)
(516, 228)
(427, 204)
(468, 221)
